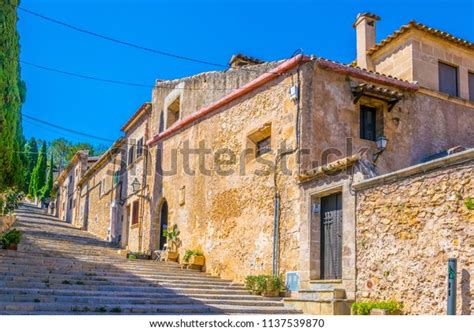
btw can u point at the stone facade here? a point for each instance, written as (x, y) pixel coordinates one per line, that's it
(408, 225)
(415, 57)
(68, 195)
(101, 192)
(244, 160)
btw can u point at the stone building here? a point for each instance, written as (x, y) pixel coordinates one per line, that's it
(259, 165)
(261, 178)
(101, 195)
(68, 196)
(136, 231)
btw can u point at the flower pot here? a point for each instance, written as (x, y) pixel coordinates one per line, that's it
(196, 262)
(271, 294)
(12, 247)
(171, 256)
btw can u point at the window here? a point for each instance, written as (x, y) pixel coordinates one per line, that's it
(448, 79)
(263, 146)
(70, 203)
(471, 86)
(135, 211)
(130, 155)
(368, 122)
(172, 113)
(139, 147)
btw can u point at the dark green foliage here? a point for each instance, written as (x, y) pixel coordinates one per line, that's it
(189, 252)
(31, 157)
(12, 94)
(38, 177)
(48, 187)
(10, 237)
(63, 150)
(9, 201)
(364, 308)
(262, 284)
(469, 203)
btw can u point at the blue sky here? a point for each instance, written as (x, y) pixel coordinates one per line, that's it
(208, 30)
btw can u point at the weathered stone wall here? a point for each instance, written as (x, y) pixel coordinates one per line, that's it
(138, 234)
(99, 194)
(230, 216)
(407, 230)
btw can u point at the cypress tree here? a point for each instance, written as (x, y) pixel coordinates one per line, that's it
(38, 177)
(31, 157)
(48, 187)
(12, 94)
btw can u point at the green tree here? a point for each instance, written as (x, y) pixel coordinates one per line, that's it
(38, 177)
(31, 157)
(80, 147)
(12, 95)
(48, 187)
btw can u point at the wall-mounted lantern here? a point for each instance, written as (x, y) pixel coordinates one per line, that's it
(381, 146)
(136, 187)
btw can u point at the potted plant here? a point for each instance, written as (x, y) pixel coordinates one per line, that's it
(265, 285)
(10, 239)
(194, 259)
(172, 240)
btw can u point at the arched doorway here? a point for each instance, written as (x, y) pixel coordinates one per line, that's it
(163, 223)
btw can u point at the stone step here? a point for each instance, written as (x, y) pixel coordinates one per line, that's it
(48, 308)
(169, 300)
(157, 287)
(320, 294)
(22, 294)
(96, 281)
(120, 277)
(34, 293)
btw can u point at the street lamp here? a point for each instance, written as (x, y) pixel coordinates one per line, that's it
(136, 187)
(381, 143)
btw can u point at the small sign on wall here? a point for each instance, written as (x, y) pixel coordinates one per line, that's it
(292, 281)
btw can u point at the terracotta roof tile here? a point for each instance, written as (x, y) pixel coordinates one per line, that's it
(421, 27)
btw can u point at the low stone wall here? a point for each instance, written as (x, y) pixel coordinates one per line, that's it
(408, 225)
(6, 222)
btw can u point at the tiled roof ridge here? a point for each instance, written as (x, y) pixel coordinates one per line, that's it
(421, 27)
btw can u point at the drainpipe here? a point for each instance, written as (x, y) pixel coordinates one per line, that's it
(276, 235)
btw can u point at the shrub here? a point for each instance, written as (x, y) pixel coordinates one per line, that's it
(189, 252)
(9, 202)
(264, 284)
(10, 237)
(364, 308)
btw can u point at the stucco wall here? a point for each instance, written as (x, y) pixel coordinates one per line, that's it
(415, 57)
(418, 126)
(230, 217)
(407, 230)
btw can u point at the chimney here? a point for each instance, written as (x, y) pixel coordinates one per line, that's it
(365, 35)
(241, 60)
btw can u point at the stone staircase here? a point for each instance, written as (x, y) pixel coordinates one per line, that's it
(62, 270)
(321, 301)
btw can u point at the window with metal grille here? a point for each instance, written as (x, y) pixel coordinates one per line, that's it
(135, 210)
(263, 146)
(140, 147)
(448, 79)
(368, 125)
